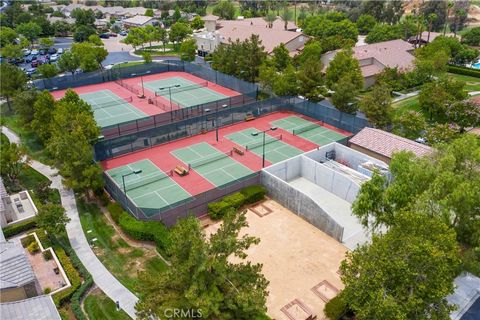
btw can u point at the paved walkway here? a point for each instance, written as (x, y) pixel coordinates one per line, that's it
(102, 277)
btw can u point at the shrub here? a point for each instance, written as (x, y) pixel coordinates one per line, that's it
(236, 200)
(217, 210)
(47, 255)
(253, 194)
(20, 227)
(335, 308)
(465, 71)
(27, 240)
(47, 290)
(115, 211)
(64, 296)
(33, 247)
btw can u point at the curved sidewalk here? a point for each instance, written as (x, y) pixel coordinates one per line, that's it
(102, 277)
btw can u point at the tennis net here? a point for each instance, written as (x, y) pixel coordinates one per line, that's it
(166, 91)
(304, 128)
(114, 103)
(207, 160)
(144, 181)
(268, 140)
(127, 86)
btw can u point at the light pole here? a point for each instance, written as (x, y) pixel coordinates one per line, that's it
(263, 145)
(141, 79)
(123, 182)
(216, 119)
(170, 93)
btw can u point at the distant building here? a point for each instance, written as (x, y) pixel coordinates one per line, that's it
(16, 207)
(227, 31)
(373, 58)
(36, 308)
(138, 21)
(382, 145)
(424, 38)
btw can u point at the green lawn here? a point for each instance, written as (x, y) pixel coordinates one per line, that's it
(128, 64)
(122, 260)
(408, 104)
(472, 83)
(29, 139)
(98, 306)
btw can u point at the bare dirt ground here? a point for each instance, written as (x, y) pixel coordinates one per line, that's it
(300, 261)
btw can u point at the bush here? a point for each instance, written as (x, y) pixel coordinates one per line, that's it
(253, 194)
(217, 210)
(64, 296)
(115, 211)
(335, 308)
(47, 255)
(20, 227)
(47, 290)
(33, 247)
(463, 70)
(236, 200)
(27, 240)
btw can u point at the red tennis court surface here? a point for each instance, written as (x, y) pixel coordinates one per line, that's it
(143, 104)
(162, 155)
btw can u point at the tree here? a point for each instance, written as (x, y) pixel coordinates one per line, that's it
(149, 12)
(12, 81)
(83, 17)
(439, 8)
(270, 18)
(441, 133)
(48, 70)
(344, 97)
(464, 114)
(384, 32)
(202, 277)
(197, 23)
(344, 65)
(281, 57)
(435, 97)
(285, 83)
(61, 28)
(7, 36)
(177, 15)
(472, 37)
(29, 30)
(178, 32)
(69, 61)
(12, 51)
(431, 18)
(410, 124)
(286, 15)
(406, 273)
(52, 218)
(43, 191)
(43, 115)
(252, 55)
(323, 26)
(310, 80)
(311, 52)
(365, 23)
(23, 105)
(46, 43)
(225, 10)
(95, 40)
(13, 161)
(82, 33)
(116, 28)
(90, 56)
(162, 36)
(460, 14)
(135, 37)
(383, 11)
(147, 57)
(188, 49)
(377, 106)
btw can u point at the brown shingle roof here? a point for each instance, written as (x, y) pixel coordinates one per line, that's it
(385, 143)
(394, 53)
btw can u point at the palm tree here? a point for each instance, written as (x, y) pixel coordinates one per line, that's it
(432, 17)
(449, 6)
(270, 18)
(286, 16)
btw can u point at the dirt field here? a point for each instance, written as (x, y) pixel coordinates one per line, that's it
(299, 260)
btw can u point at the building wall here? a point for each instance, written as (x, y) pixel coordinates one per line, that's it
(12, 294)
(203, 44)
(369, 81)
(210, 26)
(296, 43)
(370, 153)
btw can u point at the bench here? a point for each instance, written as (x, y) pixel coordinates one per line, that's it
(238, 151)
(249, 117)
(181, 171)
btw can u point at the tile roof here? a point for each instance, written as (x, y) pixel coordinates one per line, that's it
(138, 20)
(278, 24)
(467, 291)
(210, 17)
(15, 269)
(385, 143)
(36, 308)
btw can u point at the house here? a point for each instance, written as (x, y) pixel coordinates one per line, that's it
(382, 145)
(466, 297)
(138, 21)
(17, 279)
(424, 38)
(36, 308)
(373, 58)
(227, 31)
(16, 207)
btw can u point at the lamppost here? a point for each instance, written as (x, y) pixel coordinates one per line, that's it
(123, 182)
(216, 119)
(170, 93)
(263, 145)
(141, 79)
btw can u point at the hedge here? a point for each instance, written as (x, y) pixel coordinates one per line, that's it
(464, 71)
(247, 195)
(20, 227)
(63, 296)
(335, 308)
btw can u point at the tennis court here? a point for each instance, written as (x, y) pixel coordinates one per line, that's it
(215, 166)
(312, 131)
(275, 149)
(110, 109)
(183, 92)
(151, 188)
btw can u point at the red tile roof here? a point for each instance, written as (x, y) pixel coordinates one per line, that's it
(385, 143)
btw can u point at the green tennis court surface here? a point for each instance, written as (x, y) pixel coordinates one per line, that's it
(110, 109)
(213, 165)
(184, 92)
(275, 149)
(151, 188)
(308, 130)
